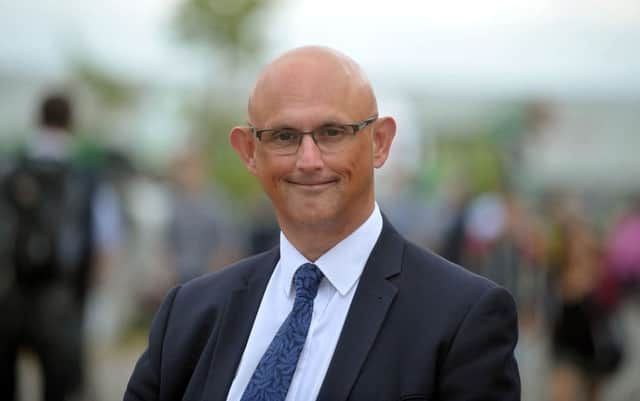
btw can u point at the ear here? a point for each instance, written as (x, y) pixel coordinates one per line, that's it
(243, 142)
(385, 131)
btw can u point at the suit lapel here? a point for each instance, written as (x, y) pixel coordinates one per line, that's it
(367, 313)
(238, 318)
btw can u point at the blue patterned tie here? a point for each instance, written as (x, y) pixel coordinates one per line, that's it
(272, 377)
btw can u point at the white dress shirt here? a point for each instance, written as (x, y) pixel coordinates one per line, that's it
(342, 266)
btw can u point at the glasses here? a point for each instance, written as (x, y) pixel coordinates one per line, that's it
(328, 138)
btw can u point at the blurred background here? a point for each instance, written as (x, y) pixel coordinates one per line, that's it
(516, 155)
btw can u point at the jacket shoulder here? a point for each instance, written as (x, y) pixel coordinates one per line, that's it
(441, 276)
(219, 284)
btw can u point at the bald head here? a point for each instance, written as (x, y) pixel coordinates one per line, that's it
(307, 73)
(322, 187)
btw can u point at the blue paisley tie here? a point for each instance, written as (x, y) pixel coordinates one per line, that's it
(272, 377)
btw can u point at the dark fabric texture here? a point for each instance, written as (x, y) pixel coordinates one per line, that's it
(46, 253)
(48, 322)
(586, 337)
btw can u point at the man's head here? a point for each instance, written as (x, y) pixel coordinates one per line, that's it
(315, 181)
(56, 113)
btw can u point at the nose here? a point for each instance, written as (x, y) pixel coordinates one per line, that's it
(309, 156)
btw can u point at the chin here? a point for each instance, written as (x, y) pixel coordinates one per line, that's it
(311, 215)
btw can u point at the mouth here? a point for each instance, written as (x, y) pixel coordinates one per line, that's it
(313, 185)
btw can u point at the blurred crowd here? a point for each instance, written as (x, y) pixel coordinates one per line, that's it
(573, 270)
(570, 276)
(572, 264)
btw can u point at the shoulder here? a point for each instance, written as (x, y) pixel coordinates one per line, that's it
(193, 309)
(422, 273)
(446, 288)
(450, 299)
(427, 266)
(214, 289)
(466, 313)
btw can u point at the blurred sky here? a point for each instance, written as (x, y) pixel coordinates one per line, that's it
(493, 47)
(586, 50)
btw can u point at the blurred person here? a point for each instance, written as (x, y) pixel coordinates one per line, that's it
(457, 200)
(504, 244)
(623, 253)
(416, 217)
(60, 224)
(344, 307)
(199, 238)
(584, 348)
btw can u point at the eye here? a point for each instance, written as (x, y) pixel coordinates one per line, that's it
(331, 132)
(284, 136)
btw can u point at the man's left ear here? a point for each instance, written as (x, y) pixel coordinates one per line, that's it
(384, 132)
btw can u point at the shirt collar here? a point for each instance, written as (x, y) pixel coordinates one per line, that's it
(343, 264)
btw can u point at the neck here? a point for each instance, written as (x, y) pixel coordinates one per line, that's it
(314, 240)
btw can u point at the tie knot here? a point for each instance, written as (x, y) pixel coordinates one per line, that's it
(306, 281)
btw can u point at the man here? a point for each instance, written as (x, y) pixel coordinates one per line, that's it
(59, 223)
(387, 321)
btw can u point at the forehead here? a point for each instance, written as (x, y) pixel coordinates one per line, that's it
(308, 90)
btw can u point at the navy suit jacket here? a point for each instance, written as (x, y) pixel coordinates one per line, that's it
(419, 328)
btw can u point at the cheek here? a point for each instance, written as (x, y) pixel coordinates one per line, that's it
(359, 158)
(269, 172)
(362, 176)
(358, 168)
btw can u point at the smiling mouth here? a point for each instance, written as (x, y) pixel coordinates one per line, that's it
(313, 185)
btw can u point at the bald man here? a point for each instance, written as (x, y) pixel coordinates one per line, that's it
(344, 308)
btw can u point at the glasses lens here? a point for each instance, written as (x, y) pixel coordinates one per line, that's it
(330, 138)
(281, 141)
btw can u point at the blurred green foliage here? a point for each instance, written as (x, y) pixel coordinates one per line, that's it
(111, 92)
(224, 166)
(488, 157)
(233, 31)
(473, 156)
(228, 27)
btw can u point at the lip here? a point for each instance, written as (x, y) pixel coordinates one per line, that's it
(313, 186)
